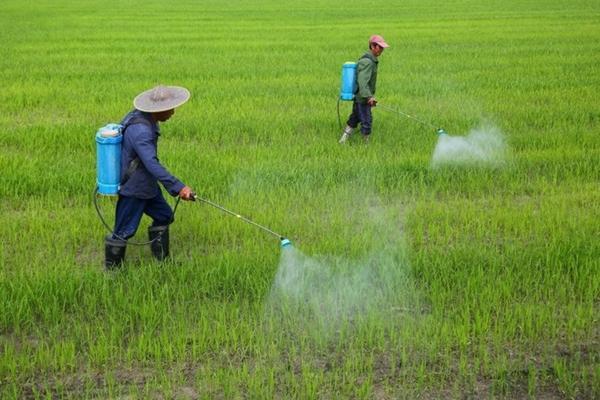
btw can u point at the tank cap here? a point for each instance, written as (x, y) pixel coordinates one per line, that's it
(109, 133)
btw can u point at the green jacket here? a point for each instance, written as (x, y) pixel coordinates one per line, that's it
(366, 77)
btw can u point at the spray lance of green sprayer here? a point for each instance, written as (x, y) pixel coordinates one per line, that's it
(439, 131)
(284, 241)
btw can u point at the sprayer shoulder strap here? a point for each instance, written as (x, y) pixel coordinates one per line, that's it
(369, 59)
(135, 163)
(136, 120)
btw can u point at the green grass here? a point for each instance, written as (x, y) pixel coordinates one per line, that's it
(466, 281)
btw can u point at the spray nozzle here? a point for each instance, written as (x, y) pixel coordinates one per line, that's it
(441, 131)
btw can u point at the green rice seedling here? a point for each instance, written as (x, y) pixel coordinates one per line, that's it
(413, 275)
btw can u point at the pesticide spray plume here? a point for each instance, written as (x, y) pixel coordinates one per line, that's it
(285, 243)
(328, 296)
(483, 146)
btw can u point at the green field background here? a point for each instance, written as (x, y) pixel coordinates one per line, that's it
(466, 281)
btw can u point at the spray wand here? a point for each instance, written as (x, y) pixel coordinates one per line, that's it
(284, 242)
(439, 131)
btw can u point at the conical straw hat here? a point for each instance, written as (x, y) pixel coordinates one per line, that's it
(161, 98)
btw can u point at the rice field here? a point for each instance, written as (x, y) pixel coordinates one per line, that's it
(422, 267)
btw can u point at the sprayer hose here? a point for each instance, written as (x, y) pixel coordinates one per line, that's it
(338, 113)
(95, 196)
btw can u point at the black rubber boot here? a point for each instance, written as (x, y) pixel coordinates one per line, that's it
(114, 252)
(160, 241)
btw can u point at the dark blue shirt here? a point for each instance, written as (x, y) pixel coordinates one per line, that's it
(140, 140)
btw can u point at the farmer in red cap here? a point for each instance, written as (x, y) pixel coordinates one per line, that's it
(364, 95)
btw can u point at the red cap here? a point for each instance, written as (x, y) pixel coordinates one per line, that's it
(379, 40)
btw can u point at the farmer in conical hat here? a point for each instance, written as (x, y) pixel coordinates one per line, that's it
(141, 170)
(364, 96)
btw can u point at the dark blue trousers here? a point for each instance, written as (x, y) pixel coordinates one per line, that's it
(361, 113)
(130, 210)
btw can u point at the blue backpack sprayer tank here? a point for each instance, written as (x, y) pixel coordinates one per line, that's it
(348, 81)
(108, 179)
(108, 159)
(347, 87)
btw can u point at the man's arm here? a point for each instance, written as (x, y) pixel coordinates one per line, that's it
(364, 70)
(141, 140)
